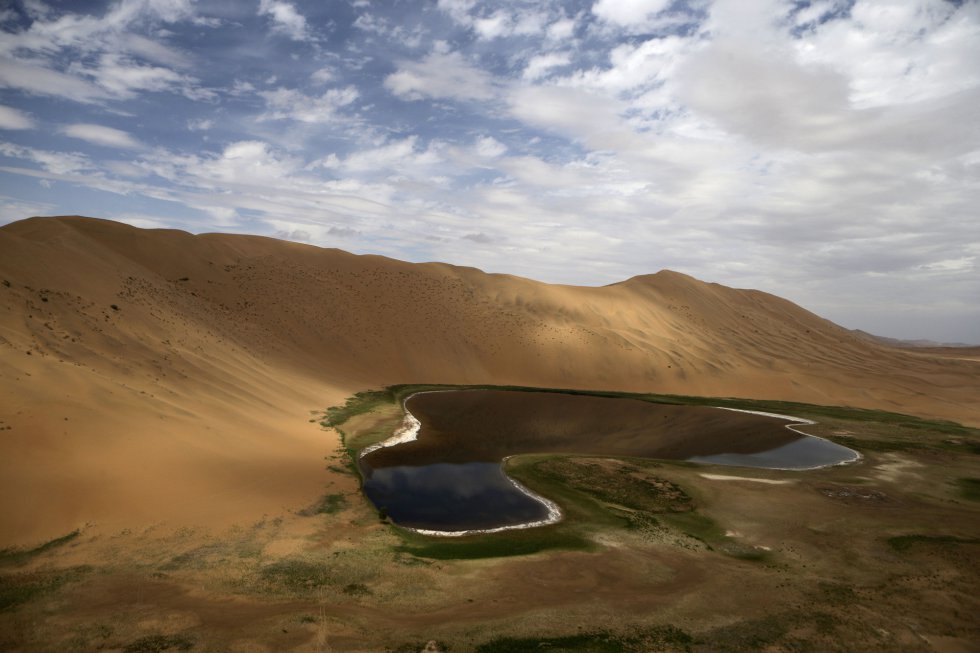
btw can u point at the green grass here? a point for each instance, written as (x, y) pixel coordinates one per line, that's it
(658, 638)
(291, 574)
(628, 485)
(20, 556)
(904, 543)
(17, 589)
(160, 643)
(358, 404)
(494, 545)
(969, 488)
(329, 504)
(417, 647)
(345, 572)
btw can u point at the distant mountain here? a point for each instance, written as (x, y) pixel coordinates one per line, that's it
(909, 344)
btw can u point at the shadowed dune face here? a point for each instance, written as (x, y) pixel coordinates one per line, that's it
(487, 425)
(143, 369)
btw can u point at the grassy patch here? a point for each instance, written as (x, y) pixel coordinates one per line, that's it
(969, 488)
(358, 404)
(494, 545)
(20, 556)
(903, 543)
(294, 575)
(345, 572)
(617, 482)
(659, 638)
(418, 647)
(160, 643)
(837, 593)
(16, 589)
(329, 504)
(786, 631)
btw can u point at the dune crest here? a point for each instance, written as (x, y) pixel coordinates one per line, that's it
(153, 375)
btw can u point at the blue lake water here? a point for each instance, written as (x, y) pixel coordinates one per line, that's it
(808, 452)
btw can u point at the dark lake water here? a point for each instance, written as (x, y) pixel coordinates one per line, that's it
(452, 497)
(442, 473)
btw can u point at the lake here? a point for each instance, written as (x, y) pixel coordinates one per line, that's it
(442, 471)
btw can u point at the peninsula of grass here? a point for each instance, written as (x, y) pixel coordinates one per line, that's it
(20, 556)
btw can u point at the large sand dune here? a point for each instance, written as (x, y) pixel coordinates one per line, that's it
(151, 375)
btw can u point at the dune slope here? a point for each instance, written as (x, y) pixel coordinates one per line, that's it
(156, 375)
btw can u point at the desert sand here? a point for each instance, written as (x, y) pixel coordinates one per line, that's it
(153, 375)
(165, 482)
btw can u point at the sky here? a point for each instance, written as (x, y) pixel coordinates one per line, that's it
(827, 151)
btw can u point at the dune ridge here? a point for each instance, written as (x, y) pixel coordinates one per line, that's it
(153, 375)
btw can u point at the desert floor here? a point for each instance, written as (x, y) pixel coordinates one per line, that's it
(880, 555)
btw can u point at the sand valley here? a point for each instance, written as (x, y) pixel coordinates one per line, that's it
(179, 416)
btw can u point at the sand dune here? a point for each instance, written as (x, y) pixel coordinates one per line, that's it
(151, 375)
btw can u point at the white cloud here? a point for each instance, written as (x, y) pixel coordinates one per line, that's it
(896, 52)
(200, 124)
(35, 78)
(628, 13)
(573, 112)
(285, 19)
(401, 156)
(125, 79)
(538, 66)
(459, 10)
(283, 103)
(561, 30)
(100, 135)
(489, 147)
(323, 75)
(11, 118)
(440, 75)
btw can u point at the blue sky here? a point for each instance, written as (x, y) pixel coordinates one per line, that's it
(825, 151)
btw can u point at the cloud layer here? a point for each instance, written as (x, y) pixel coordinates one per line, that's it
(828, 152)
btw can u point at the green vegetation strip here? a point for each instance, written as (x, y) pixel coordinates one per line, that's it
(903, 543)
(969, 488)
(160, 643)
(20, 556)
(659, 638)
(16, 589)
(495, 545)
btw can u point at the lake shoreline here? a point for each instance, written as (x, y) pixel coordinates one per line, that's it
(409, 430)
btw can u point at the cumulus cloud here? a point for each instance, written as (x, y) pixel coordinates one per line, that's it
(285, 18)
(540, 65)
(283, 103)
(627, 13)
(440, 75)
(11, 118)
(100, 135)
